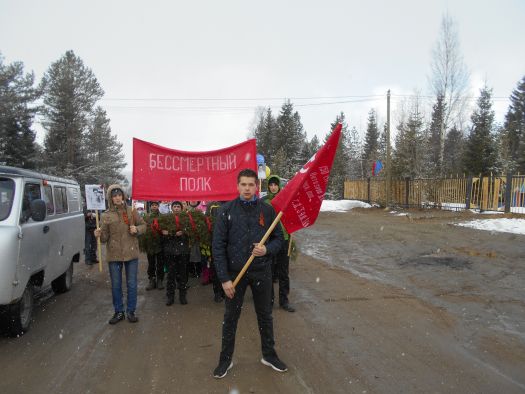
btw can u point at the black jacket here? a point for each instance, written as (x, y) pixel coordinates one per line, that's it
(237, 228)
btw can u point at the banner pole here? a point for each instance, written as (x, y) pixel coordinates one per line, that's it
(290, 245)
(99, 245)
(261, 243)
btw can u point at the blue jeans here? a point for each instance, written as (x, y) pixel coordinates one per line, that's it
(115, 273)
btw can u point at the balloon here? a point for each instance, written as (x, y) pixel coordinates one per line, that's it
(268, 172)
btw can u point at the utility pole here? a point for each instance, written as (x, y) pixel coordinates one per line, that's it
(388, 169)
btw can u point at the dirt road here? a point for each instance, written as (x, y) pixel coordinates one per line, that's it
(385, 304)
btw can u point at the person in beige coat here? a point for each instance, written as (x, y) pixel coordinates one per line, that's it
(119, 229)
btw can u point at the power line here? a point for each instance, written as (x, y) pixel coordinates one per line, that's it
(239, 99)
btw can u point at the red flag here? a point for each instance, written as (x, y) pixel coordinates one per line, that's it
(300, 201)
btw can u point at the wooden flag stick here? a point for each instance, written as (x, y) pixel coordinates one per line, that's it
(99, 245)
(261, 243)
(290, 245)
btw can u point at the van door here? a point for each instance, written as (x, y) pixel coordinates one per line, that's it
(33, 238)
(57, 262)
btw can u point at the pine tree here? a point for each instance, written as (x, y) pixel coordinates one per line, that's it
(454, 151)
(370, 149)
(309, 148)
(265, 134)
(103, 152)
(480, 153)
(513, 133)
(290, 134)
(408, 152)
(355, 164)
(339, 171)
(17, 110)
(70, 92)
(434, 138)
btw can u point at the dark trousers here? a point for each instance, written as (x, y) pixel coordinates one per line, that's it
(280, 271)
(156, 266)
(261, 285)
(90, 246)
(177, 273)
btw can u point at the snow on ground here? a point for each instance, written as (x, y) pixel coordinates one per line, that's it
(516, 226)
(342, 205)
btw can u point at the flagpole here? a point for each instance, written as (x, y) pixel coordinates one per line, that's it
(99, 246)
(261, 243)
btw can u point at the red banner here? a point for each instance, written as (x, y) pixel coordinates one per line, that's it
(301, 198)
(160, 173)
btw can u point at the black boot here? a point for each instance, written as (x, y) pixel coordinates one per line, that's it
(182, 295)
(152, 284)
(160, 284)
(170, 300)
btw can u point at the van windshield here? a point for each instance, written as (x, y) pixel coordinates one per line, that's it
(7, 191)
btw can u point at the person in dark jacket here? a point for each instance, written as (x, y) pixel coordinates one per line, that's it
(240, 226)
(281, 261)
(154, 250)
(90, 245)
(177, 255)
(212, 208)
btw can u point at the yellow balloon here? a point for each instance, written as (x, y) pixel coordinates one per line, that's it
(268, 172)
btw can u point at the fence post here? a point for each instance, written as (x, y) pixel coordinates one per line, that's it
(508, 192)
(407, 191)
(368, 189)
(480, 194)
(469, 192)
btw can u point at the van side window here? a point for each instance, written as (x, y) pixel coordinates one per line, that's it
(60, 199)
(48, 198)
(7, 191)
(31, 192)
(73, 199)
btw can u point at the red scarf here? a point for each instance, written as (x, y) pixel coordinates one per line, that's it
(177, 221)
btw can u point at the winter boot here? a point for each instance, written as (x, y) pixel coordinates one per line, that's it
(152, 284)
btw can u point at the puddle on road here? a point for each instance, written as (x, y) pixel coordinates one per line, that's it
(452, 262)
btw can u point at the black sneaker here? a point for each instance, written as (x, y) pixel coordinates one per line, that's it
(132, 318)
(275, 363)
(118, 316)
(222, 369)
(288, 308)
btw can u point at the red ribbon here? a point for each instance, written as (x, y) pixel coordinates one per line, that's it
(192, 222)
(125, 216)
(208, 222)
(155, 226)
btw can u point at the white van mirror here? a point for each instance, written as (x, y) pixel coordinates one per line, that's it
(38, 210)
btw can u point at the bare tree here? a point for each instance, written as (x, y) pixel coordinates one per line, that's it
(449, 79)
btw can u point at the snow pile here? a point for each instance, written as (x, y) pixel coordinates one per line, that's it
(516, 226)
(342, 205)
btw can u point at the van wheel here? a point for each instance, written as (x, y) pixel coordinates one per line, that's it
(63, 282)
(21, 313)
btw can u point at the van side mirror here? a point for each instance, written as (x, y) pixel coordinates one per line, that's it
(38, 210)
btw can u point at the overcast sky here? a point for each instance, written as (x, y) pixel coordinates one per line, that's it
(189, 74)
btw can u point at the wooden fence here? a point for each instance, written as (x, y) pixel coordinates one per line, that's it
(488, 193)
